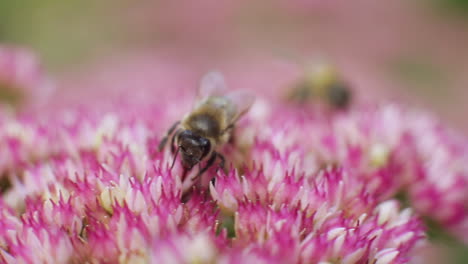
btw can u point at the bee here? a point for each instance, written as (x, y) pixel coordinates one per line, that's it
(322, 83)
(201, 133)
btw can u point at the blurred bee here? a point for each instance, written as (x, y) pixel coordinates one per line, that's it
(200, 134)
(324, 84)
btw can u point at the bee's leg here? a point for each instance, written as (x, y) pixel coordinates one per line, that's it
(228, 128)
(184, 174)
(173, 141)
(223, 161)
(232, 139)
(163, 142)
(187, 195)
(221, 165)
(209, 163)
(175, 157)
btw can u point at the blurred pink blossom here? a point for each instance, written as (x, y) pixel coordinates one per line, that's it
(22, 79)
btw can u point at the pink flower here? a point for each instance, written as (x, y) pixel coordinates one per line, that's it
(33, 240)
(443, 183)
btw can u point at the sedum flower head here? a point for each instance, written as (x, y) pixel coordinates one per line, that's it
(87, 185)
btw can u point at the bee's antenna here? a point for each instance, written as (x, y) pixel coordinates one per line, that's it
(175, 157)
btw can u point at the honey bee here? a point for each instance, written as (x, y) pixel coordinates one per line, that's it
(322, 83)
(204, 130)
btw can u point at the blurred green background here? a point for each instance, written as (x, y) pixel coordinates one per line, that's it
(415, 51)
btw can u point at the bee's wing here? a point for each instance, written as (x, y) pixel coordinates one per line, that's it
(242, 100)
(211, 84)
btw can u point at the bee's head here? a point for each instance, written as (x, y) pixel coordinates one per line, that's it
(193, 148)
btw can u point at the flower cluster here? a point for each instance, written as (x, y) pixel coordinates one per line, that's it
(22, 80)
(89, 186)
